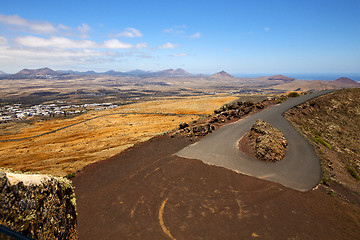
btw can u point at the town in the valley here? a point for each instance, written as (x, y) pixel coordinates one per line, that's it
(19, 112)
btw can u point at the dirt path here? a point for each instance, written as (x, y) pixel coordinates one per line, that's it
(147, 192)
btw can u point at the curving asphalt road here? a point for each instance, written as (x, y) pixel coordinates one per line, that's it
(299, 170)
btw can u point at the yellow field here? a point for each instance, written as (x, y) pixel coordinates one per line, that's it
(102, 135)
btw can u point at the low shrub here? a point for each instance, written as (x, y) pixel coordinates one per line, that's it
(320, 140)
(331, 192)
(281, 99)
(352, 172)
(293, 94)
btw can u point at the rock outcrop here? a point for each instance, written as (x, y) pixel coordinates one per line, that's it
(200, 130)
(39, 206)
(264, 142)
(227, 113)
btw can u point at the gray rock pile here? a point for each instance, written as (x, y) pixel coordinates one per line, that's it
(199, 130)
(39, 206)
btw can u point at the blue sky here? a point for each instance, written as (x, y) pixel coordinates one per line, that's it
(254, 36)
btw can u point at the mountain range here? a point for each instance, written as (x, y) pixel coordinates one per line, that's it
(47, 73)
(137, 73)
(34, 72)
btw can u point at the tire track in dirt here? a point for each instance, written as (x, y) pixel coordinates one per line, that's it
(161, 220)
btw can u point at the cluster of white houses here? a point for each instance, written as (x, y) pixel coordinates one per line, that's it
(17, 112)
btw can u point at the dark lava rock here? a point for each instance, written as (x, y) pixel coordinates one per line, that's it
(183, 125)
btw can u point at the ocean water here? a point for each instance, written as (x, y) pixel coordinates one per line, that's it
(308, 76)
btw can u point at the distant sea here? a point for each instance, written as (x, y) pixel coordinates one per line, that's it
(308, 76)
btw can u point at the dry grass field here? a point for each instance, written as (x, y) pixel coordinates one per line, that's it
(96, 135)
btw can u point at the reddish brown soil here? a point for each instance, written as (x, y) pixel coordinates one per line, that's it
(148, 193)
(246, 145)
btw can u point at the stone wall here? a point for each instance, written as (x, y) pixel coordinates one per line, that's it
(39, 206)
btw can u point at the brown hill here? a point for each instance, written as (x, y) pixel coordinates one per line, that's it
(281, 77)
(170, 73)
(345, 80)
(181, 72)
(40, 71)
(221, 74)
(316, 85)
(304, 85)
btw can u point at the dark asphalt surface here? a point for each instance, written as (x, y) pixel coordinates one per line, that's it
(299, 170)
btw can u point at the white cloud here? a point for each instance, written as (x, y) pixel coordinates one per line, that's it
(3, 41)
(62, 42)
(116, 44)
(130, 33)
(168, 45)
(196, 35)
(59, 45)
(141, 45)
(55, 42)
(17, 23)
(40, 27)
(11, 57)
(84, 29)
(267, 29)
(63, 27)
(179, 54)
(176, 30)
(168, 30)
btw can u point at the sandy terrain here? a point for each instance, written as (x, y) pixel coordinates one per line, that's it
(104, 134)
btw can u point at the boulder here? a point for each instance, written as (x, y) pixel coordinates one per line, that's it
(183, 125)
(265, 142)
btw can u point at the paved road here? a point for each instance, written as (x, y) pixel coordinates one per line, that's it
(299, 170)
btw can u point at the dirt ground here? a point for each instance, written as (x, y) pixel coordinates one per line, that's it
(148, 193)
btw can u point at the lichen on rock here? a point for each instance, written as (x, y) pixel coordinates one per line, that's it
(39, 206)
